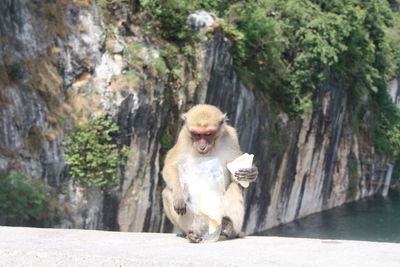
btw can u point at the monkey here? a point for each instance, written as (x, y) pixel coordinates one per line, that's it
(206, 133)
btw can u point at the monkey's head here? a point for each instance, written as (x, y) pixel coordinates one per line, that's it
(203, 124)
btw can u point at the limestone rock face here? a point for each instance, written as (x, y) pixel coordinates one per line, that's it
(53, 57)
(201, 21)
(394, 91)
(72, 64)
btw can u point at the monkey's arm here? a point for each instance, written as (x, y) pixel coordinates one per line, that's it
(244, 174)
(171, 176)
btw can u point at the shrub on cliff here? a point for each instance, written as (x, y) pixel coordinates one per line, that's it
(92, 156)
(26, 201)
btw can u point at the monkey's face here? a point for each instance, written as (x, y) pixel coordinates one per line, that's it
(203, 141)
(204, 124)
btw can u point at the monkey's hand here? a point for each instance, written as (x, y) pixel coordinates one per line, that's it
(180, 206)
(247, 174)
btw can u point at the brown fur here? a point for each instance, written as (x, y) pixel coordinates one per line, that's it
(204, 117)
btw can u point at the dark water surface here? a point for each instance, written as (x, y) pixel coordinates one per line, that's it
(372, 219)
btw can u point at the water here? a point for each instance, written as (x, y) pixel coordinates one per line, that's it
(372, 219)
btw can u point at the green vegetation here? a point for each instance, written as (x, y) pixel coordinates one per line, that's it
(92, 156)
(24, 200)
(15, 71)
(161, 67)
(166, 141)
(132, 78)
(167, 18)
(289, 48)
(312, 39)
(352, 169)
(102, 4)
(132, 53)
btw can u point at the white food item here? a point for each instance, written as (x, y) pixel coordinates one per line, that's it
(210, 207)
(244, 161)
(203, 182)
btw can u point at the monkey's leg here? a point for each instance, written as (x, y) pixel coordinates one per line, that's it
(232, 211)
(183, 222)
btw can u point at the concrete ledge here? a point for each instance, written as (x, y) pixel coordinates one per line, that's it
(20, 246)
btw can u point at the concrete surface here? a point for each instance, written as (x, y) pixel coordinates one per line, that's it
(21, 246)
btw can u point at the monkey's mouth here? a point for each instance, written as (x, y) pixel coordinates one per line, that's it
(203, 152)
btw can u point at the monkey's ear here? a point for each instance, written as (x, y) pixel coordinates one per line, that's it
(224, 118)
(184, 116)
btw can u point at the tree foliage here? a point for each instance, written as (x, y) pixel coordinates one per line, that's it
(168, 17)
(23, 199)
(92, 156)
(297, 42)
(287, 48)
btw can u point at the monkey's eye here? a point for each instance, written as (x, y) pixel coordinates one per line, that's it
(195, 134)
(208, 134)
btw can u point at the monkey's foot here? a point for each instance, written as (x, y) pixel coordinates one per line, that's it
(227, 228)
(241, 235)
(181, 234)
(193, 237)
